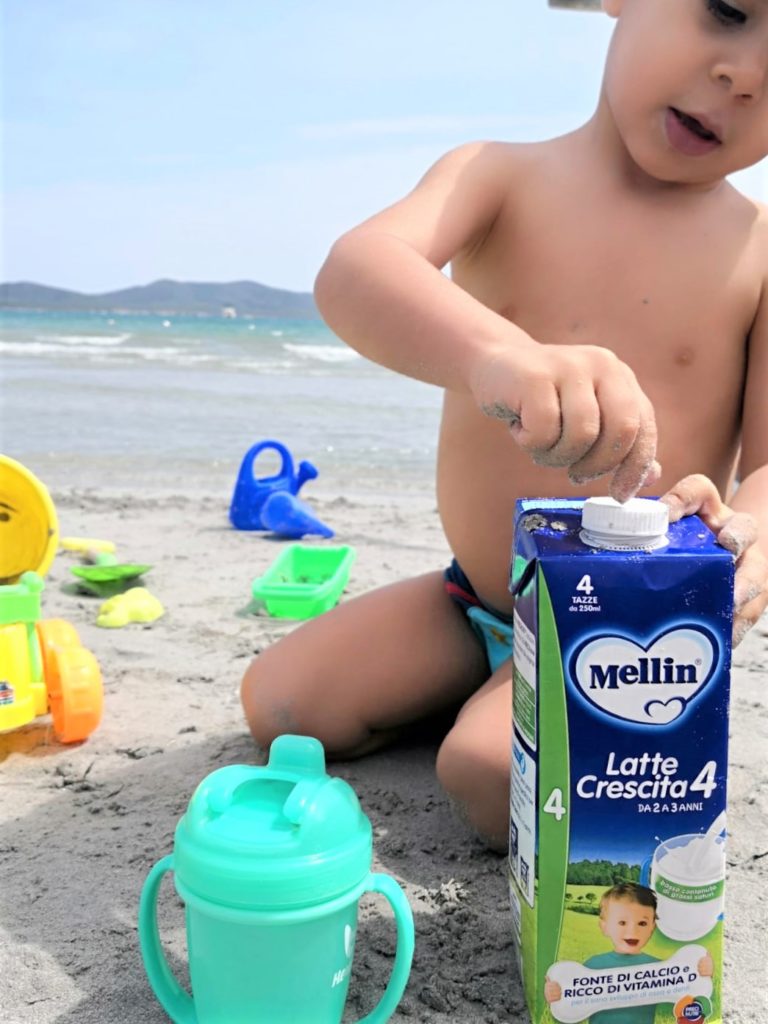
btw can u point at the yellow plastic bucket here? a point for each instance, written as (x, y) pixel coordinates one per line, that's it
(29, 530)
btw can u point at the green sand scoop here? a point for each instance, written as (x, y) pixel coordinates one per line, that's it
(107, 577)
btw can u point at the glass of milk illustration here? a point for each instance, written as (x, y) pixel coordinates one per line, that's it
(688, 877)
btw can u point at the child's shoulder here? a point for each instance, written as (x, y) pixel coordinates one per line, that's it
(748, 217)
(755, 210)
(487, 173)
(483, 156)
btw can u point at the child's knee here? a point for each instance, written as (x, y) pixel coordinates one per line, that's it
(282, 694)
(269, 708)
(475, 774)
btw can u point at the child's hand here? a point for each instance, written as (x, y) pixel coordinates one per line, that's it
(735, 531)
(706, 966)
(575, 406)
(552, 991)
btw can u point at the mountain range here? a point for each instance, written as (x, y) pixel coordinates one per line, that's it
(245, 298)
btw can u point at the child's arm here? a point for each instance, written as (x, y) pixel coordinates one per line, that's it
(741, 527)
(382, 290)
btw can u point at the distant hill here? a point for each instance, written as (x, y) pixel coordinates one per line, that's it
(247, 298)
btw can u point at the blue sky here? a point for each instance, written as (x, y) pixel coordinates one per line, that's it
(221, 141)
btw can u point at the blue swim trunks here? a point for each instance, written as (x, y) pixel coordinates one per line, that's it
(492, 628)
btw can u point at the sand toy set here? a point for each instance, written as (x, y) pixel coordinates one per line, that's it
(43, 666)
(304, 580)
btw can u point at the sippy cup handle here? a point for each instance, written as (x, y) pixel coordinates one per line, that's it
(176, 1002)
(387, 1005)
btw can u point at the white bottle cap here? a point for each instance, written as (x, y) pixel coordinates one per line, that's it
(638, 524)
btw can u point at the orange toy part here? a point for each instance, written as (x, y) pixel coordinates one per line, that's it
(53, 633)
(77, 700)
(74, 681)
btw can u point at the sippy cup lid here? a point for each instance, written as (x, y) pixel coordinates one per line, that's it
(283, 835)
(640, 523)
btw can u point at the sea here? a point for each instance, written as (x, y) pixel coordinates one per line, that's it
(126, 401)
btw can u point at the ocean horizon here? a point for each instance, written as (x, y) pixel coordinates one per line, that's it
(91, 397)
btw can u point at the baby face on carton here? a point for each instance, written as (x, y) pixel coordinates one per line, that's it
(627, 923)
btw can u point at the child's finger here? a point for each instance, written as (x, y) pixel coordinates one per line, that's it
(696, 494)
(747, 617)
(738, 533)
(633, 471)
(618, 401)
(539, 426)
(580, 419)
(654, 475)
(751, 580)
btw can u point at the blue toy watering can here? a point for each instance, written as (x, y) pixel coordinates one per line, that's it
(251, 491)
(287, 516)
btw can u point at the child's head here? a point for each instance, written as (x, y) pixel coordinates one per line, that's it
(686, 83)
(628, 916)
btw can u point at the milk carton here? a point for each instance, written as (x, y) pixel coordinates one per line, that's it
(617, 826)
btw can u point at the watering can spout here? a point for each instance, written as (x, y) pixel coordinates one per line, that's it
(307, 471)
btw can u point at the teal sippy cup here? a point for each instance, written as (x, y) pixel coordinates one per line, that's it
(271, 863)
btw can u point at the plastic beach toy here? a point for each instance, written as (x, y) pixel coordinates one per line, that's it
(304, 581)
(30, 530)
(271, 863)
(251, 491)
(43, 666)
(135, 605)
(87, 545)
(107, 577)
(288, 516)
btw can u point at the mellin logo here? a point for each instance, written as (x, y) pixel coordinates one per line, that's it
(649, 685)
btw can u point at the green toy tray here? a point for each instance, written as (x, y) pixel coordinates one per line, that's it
(106, 580)
(304, 581)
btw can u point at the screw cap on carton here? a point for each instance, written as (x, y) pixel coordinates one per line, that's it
(640, 523)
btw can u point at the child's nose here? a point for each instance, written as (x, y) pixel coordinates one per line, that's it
(744, 77)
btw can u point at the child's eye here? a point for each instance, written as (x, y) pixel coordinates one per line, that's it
(726, 13)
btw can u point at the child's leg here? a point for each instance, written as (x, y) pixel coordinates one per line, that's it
(473, 760)
(354, 675)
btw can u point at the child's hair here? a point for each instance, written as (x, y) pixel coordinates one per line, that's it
(632, 893)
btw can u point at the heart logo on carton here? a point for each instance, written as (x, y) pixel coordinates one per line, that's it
(647, 684)
(661, 712)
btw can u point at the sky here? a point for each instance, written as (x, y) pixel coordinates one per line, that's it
(232, 140)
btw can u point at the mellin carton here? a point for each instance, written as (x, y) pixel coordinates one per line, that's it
(622, 648)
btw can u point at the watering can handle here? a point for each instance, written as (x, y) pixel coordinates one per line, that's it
(389, 888)
(286, 468)
(175, 1000)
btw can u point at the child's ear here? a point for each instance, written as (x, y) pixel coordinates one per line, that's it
(601, 922)
(612, 7)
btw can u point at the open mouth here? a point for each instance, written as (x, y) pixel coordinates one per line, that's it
(694, 126)
(688, 135)
(631, 942)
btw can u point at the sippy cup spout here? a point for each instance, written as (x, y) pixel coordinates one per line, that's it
(302, 754)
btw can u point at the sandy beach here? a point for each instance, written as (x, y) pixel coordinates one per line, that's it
(81, 826)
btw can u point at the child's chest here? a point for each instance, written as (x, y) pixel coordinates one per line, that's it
(665, 291)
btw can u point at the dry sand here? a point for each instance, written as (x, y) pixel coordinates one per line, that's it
(81, 826)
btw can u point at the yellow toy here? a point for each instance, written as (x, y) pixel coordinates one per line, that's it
(135, 605)
(86, 545)
(43, 666)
